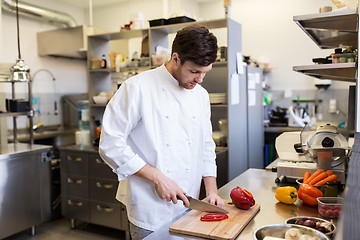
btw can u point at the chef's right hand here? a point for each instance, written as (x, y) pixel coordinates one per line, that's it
(167, 189)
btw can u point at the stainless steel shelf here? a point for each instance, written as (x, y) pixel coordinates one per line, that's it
(14, 114)
(127, 69)
(330, 29)
(173, 28)
(336, 71)
(122, 35)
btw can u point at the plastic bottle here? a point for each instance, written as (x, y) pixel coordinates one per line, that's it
(103, 63)
(83, 115)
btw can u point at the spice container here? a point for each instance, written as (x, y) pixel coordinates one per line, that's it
(103, 63)
(331, 189)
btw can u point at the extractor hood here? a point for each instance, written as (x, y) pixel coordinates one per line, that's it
(67, 42)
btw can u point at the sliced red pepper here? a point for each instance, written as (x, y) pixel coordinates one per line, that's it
(212, 217)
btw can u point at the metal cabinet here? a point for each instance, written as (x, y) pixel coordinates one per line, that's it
(24, 185)
(88, 188)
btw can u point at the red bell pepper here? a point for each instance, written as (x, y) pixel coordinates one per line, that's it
(212, 217)
(242, 198)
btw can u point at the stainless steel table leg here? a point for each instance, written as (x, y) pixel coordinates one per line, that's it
(73, 223)
(32, 231)
(127, 235)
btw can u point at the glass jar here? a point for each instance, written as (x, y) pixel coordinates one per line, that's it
(331, 189)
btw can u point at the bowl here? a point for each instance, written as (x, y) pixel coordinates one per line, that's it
(300, 182)
(279, 230)
(304, 218)
(330, 207)
(100, 99)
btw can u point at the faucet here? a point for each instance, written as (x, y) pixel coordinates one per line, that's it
(53, 78)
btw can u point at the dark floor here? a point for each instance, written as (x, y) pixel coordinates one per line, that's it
(60, 229)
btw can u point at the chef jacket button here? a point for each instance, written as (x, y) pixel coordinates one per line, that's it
(168, 145)
(163, 89)
(194, 117)
(189, 143)
(166, 116)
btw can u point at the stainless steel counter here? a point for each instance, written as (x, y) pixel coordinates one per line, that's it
(25, 187)
(19, 148)
(261, 183)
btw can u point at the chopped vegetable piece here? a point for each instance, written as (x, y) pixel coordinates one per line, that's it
(212, 217)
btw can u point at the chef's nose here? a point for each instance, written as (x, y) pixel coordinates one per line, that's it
(200, 78)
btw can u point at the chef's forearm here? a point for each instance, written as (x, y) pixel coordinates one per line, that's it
(210, 185)
(149, 173)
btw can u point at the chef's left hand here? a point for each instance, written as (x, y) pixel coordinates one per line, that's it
(215, 200)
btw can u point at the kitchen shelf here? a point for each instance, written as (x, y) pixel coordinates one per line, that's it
(121, 35)
(113, 70)
(173, 28)
(330, 29)
(100, 105)
(336, 71)
(14, 114)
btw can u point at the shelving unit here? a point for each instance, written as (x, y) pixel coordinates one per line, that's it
(332, 30)
(14, 115)
(218, 80)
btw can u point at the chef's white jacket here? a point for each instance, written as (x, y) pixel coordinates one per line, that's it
(153, 120)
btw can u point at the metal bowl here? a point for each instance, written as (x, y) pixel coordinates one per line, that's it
(300, 182)
(293, 220)
(279, 230)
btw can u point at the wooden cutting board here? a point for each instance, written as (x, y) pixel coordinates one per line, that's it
(190, 223)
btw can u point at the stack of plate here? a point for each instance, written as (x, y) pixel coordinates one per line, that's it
(217, 98)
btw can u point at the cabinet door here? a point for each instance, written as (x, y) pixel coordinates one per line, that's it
(99, 169)
(107, 214)
(20, 206)
(103, 190)
(75, 185)
(73, 207)
(74, 163)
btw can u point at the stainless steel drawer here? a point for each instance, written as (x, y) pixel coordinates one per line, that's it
(106, 214)
(75, 185)
(99, 169)
(74, 163)
(103, 190)
(76, 208)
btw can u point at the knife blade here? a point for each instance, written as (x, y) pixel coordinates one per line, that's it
(203, 206)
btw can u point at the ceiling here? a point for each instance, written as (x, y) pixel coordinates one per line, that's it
(98, 3)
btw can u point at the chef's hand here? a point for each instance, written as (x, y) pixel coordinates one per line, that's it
(212, 193)
(165, 187)
(216, 200)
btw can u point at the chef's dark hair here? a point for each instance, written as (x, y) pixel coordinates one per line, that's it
(197, 44)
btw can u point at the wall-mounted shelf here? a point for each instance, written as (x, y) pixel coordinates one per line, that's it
(13, 114)
(330, 29)
(336, 71)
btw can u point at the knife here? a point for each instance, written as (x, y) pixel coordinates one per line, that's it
(203, 206)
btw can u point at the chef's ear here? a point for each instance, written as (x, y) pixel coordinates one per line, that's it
(176, 58)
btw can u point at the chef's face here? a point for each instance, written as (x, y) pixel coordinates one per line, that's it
(189, 74)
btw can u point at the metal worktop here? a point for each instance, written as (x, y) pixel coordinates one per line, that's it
(19, 148)
(261, 183)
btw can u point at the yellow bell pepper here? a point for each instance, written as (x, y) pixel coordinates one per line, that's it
(286, 195)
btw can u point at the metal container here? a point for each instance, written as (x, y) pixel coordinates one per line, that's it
(329, 234)
(279, 230)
